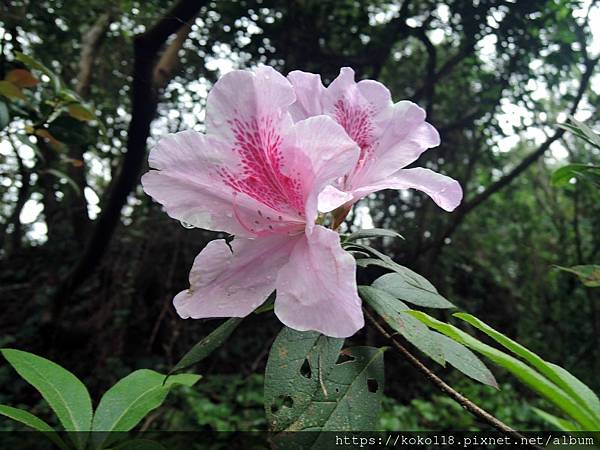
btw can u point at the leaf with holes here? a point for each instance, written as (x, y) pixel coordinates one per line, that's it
(414, 331)
(310, 386)
(207, 345)
(413, 288)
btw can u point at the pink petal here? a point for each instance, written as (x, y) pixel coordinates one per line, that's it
(233, 284)
(332, 198)
(376, 93)
(188, 185)
(243, 95)
(444, 191)
(249, 111)
(325, 153)
(403, 138)
(316, 289)
(309, 93)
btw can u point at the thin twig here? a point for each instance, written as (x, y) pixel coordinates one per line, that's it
(446, 389)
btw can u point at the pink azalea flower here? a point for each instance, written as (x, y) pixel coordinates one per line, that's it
(257, 174)
(391, 136)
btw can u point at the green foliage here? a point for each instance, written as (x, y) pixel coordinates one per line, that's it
(393, 311)
(66, 395)
(437, 412)
(307, 387)
(412, 289)
(371, 233)
(207, 345)
(582, 131)
(133, 397)
(588, 274)
(562, 177)
(34, 422)
(220, 403)
(465, 361)
(566, 393)
(121, 408)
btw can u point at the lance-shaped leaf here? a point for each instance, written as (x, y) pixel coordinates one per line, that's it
(562, 176)
(66, 395)
(413, 288)
(588, 274)
(414, 331)
(207, 345)
(522, 371)
(567, 382)
(371, 233)
(34, 422)
(463, 359)
(126, 403)
(559, 423)
(308, 388)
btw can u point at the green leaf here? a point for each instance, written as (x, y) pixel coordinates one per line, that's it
(567, 382)
(372, 233)
(69, 130)
(413, 288)
(4, 115)
(582, 131)
(393, 311)
(35, 64)
(63, 176)
(34, 422)
(10, 90)
(80, 112)
(589, 274)
(306, 389)
(560, 424)
(523, 372)
(126, 403)
(562, 176)
(207, 345)
(66, 395)
(464, 360)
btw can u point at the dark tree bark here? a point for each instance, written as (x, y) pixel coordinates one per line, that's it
(144, 103)
(77, 204)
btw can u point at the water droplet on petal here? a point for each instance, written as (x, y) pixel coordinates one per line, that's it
(186, 225)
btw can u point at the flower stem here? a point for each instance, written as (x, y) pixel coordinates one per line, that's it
(446, 389)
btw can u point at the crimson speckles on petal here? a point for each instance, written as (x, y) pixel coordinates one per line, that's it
(259, 147)
(357, 121)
